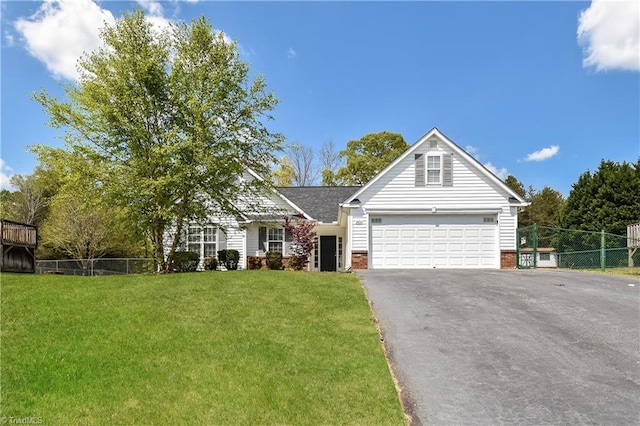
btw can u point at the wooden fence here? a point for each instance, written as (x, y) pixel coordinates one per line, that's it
(633, 241)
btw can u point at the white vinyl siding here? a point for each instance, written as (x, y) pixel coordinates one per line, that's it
(359, 230)
(235, 240)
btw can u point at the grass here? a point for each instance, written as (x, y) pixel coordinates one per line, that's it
(241, 347)
(625, 272)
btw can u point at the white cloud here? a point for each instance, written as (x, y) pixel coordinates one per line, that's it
(9, 39)
(543, 154)
(291, 53)
(154, 13)
(609, 32)
(472, 150)
(502, 173)
(5, 175)
(61, 31)
(152, 7)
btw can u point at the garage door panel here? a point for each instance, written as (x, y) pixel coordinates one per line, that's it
(439, 233)
(407, 233)
(434, 241)
(439, 247)
(423, 233)
(472, 233)
(456, 233)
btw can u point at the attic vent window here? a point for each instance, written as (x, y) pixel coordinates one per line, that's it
(433, 143)
(376, 220)
(488, 220)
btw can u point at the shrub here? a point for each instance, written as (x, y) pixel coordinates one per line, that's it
(302, 241)
(274, 259)
(254, 262)
(210, 263)
(185, 261)
(229, 258)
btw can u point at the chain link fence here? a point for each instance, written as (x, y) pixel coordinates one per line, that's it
(541, 246)
(91, 267)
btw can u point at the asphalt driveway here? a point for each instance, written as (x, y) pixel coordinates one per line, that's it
(511, 347)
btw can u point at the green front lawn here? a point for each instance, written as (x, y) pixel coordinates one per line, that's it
(237, 347)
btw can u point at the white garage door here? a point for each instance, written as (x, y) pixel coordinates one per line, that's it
(434, 241)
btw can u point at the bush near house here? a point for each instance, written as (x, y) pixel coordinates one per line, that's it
(254, 262)
(185, 261)
(274, 260)
(229, 258)
(210, 263)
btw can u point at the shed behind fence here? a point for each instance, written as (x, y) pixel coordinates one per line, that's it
(19, 242)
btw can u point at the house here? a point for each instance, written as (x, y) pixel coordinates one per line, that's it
(435, 206)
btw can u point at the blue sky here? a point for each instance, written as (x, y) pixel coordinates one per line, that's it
(540, 90)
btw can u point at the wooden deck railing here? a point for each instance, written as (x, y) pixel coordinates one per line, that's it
(18, 234)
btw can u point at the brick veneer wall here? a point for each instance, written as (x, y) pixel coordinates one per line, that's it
(507, 259)
(359, 259)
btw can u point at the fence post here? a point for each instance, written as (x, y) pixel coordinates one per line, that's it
(534, 239)
(517, 248)
(603, 252)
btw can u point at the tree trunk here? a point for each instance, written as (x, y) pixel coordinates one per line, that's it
(157, 236)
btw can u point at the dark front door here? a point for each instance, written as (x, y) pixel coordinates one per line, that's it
(328, 253)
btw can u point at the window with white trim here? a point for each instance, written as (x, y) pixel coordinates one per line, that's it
(340, 250)
(434, 169)
(275, 239)
(202, 240)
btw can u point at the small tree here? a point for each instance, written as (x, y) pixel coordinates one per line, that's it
(302, 241)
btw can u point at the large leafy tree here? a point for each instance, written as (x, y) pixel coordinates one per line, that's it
(367, 156)
(545, 208)
(607, 199)
(178, 120)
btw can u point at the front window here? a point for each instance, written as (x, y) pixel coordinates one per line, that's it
(194, 239)
(210, 241)
(434, 172)
(275, 239)
(202, 240)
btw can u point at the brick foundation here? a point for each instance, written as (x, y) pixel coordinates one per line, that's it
(507, 259)
(359, 259)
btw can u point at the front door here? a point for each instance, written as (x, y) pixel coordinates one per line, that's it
(328, 253)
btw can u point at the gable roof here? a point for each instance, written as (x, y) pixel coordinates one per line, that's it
(319, 202)
(455, 148)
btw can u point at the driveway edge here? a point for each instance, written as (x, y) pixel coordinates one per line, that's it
(407, 402)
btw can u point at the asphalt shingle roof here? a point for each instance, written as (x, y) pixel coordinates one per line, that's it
(319, 202)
